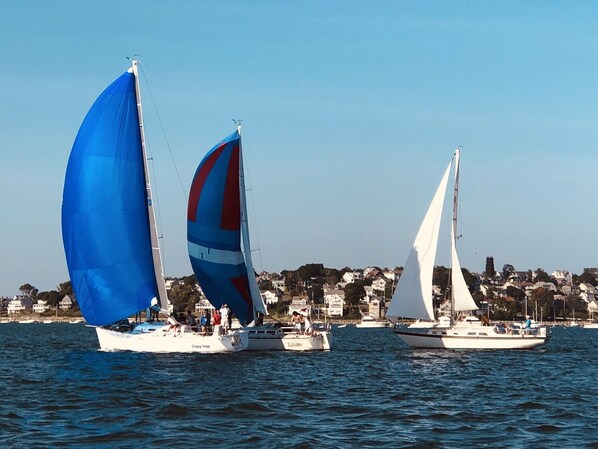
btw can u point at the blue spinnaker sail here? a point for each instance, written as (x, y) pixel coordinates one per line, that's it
(214, 230)
(105, 224)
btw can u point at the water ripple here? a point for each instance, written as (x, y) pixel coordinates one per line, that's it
(369, 392)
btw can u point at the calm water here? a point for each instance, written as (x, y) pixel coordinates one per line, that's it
(369, 392)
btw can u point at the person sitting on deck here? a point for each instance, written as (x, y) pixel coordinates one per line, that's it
(205, 323)
(191, 320)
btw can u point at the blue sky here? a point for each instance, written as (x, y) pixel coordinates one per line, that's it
(351, 111)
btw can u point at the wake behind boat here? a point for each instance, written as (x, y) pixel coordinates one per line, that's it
(110, 236)
(220, 250)
(413, 295)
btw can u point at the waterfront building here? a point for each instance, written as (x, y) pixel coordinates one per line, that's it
(19, 304)
(66, 303)
(40, 306)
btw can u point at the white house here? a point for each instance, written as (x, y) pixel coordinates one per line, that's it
(545, 285)
(19, 304)
(587, 292)
(380, 283)
(300, 305)
(335, 302)
(369, 292)
(563, 276)
(270, 297)
(203, 304)
(40, 307)
(351, 276)
(391, 275)
(279, 284)
(66, 303)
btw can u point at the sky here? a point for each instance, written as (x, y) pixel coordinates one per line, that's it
(351, 111)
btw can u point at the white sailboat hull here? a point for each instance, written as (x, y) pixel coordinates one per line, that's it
(167, 339)
(276, 339)
(371, 325)
(472, 337)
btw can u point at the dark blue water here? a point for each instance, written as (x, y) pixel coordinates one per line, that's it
(369, 392)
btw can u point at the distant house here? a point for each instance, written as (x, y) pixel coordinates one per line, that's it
(587, 292)
(380, 283)
(169, 283)
(351, 276)
(335, 302)
(66, 303)
(40, 307)
(19, 304)
(592, 309)
(203, 304)
(375, 309)
(369, 292)
(392, 275)
(299, 305)
(270, 297)
(4, 300)
(279, 284)
(545, 285)
(371, 272)
(563, 276)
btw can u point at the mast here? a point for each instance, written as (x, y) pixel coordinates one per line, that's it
(257, 303)
(158, 269)
(454, 224)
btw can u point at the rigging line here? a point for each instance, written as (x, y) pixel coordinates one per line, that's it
(253, 215)
(155, 190)
(163, 131)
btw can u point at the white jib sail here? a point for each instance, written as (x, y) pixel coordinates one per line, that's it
(413, 295)
(462, 299)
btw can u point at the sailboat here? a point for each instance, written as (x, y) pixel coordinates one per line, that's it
(110, 236)
(368, 322)
(220, 250)
(413, 296)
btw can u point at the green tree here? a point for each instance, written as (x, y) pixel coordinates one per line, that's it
(265, 284)
(66, 288)
(541, 276)
(51, 297)
(28, 290)
(184, 295)
(508, 270)
(333, 276)
(504, 309)
(585, 278)
(354, 292)
(516, 293)
(542, 301)
(310, 271)
(441, 278)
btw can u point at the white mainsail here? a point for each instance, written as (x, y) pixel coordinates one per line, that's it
(413, 295)
(461, 297)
